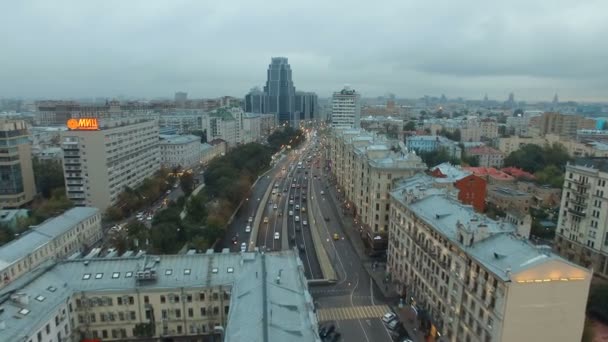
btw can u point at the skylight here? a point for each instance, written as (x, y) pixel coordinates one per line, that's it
(214, 270)
(115, 275)
(86, 276)
(40, 298)
(187, 271)
(99, 276)
(128, 274)
(230, 269)
(24, 311)
(52, 288)
(168, 271)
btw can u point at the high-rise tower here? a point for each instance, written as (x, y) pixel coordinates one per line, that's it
(280, 90)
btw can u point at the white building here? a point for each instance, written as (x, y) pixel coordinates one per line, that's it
(346, 109)
(99, 164)
(221, 124)
(56, 238)
(183, 151)
(182, 122)
(477, 279)
(582, 228)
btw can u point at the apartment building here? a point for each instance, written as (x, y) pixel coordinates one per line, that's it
(346, 109)
(470, 278)
(194, 297)
(582, 228)
(366, 166)
(222, 125)
(17, 184)
(59, 237)
(487, 156)
(182, 122)
(471, 188)
(506, 198)
(564, 124)
(430, 143)
(575, 148)
(100, 160)
(183, 151)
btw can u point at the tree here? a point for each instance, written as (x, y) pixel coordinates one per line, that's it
(438, 156)
(113, 214)
(48, 175)
(186, 182)
(6, 234)
(597, 303)
(533, 158)
(410, 126)
(164, 237)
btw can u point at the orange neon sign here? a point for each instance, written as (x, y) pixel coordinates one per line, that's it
(83, 124)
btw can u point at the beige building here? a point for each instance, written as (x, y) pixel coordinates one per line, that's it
(183, 151)
(582, 228)
(477, 279)
(563, 124)
(99, 164)
(366, 167)
(17, 184)
(506, 198)
(487, 156)
(54, 239)
(195, 297)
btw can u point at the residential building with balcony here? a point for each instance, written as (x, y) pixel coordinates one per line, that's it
(182, 122)
(195, 297)
(476, 279)
(582, 229)
(57, 238)
(346, 109)
(99, 164)
(17, 184)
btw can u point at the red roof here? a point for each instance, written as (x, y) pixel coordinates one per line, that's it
(491, 172)
(482, 150)
(517, 172)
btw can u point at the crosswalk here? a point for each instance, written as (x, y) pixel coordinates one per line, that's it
(356, 312)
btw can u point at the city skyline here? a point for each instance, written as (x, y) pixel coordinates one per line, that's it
(399, 48)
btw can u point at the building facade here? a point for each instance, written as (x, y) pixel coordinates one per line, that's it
(306, 107)
(255, 101)
(182, 151)
(75, 230)
(582, 228)
(346, 109)
(279, 89)
(182, 122)
(470, 278)
(99, 164)
(17, 184)
(564, 124)
(487, 156)
(430, 143)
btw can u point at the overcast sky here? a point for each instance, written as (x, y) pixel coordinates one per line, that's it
(152, 48)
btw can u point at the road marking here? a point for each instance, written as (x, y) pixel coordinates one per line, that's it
(350, 313)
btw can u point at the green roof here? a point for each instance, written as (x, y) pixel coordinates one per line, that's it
(223, 113)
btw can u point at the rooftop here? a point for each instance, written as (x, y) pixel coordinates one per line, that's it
(289, 315)
(451, 172)
(600, 164)
(508, 192)
(482, 150)
(42, 234)
(179, 139)
(489, 171)
(495, 246)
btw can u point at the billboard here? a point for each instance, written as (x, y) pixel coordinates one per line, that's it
(83, 124)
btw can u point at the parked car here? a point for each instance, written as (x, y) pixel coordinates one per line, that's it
(336, 236)
(243, 247)
(389, 317)
(248, 229)
(277, 235)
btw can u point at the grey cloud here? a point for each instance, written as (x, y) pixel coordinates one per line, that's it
(411, 48)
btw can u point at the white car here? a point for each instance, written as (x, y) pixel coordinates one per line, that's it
(290, 201)
(250, 219)
(291, 213)
(304, 222)
(276, 235)
(297, 207)
(275, 207)
(388, 317)
(243, 247)
(149, 218)
(297, 218)
(322, 192)
(248, 229)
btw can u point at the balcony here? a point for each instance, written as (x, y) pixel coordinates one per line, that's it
(576, 212)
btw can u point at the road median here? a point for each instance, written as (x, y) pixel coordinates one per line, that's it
(329, 273)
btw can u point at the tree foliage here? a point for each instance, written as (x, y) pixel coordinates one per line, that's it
(410, 126)
(546, 162)
(438, 156)
(597, 302)
(454, 136)
(286, 136)
(186, 182)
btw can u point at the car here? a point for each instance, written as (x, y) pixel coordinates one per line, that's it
(292, 238)
(277, 235)
(285, 190)
(336, 236)
(243, 247)
(297, 207)
(149, 218)
(250, 219)
(326, 218)
(297, 218)
(248, 229)
(275, 207)
(291, 197)
(304, 222)
(322, 192)
(234, 240)
(265, 219)
(302, 248)
(388, 317)
(290, 202)
(303, 209)
(168, 192)
(293, 185)
(290, 213)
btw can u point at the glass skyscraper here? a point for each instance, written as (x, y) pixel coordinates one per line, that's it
(279, 89)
